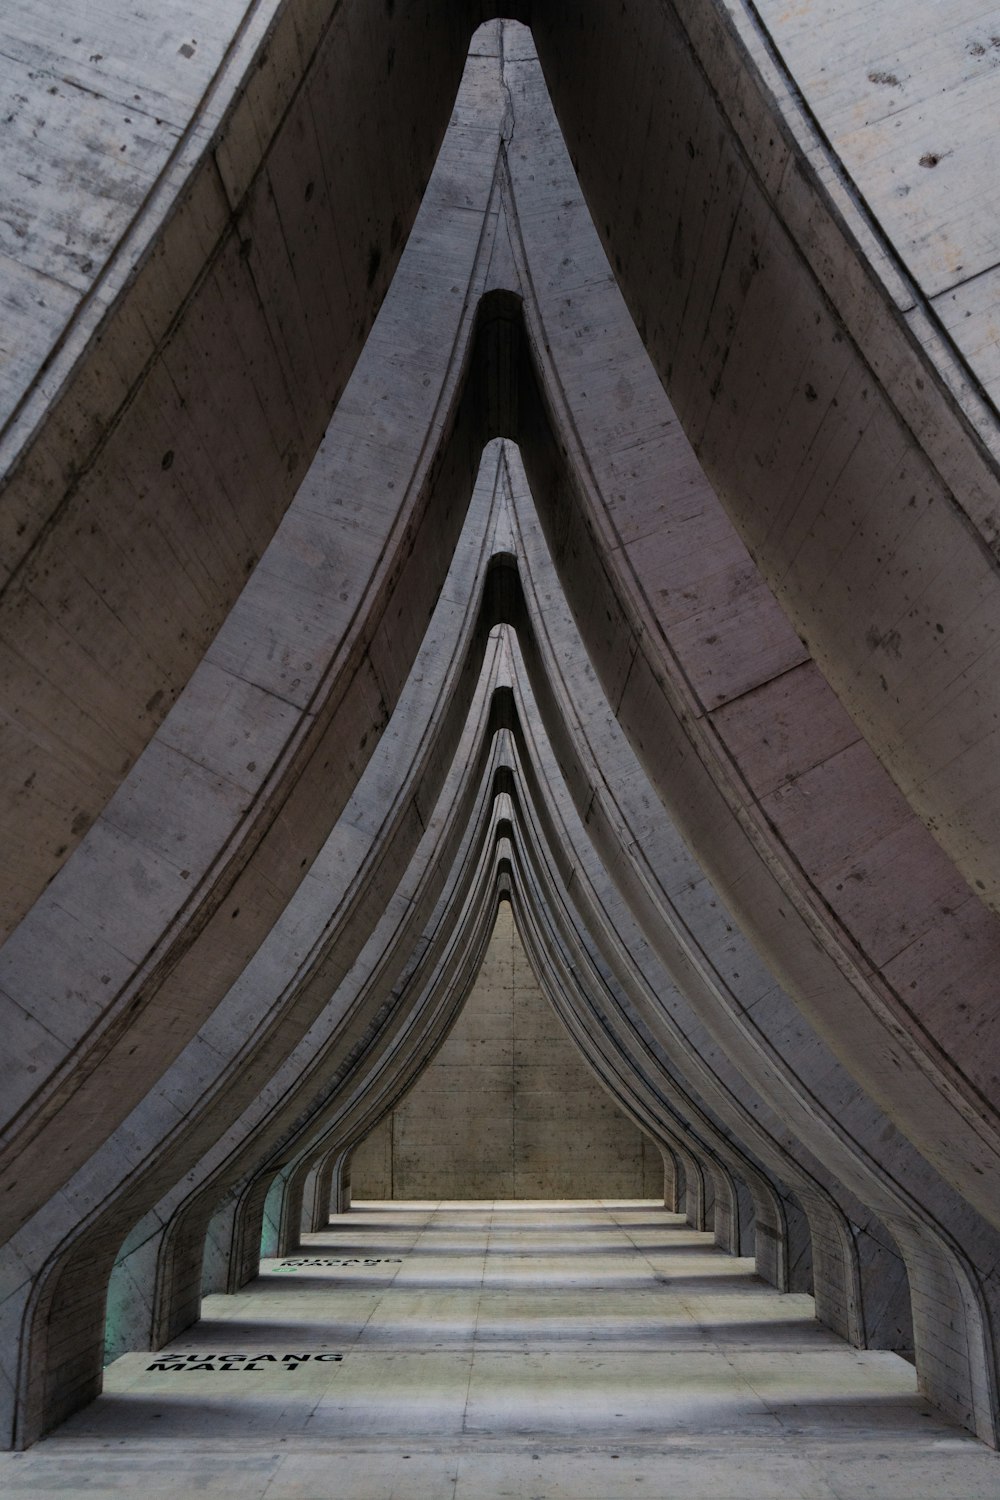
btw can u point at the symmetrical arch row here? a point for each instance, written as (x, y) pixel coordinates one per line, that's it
(183, 376)
(166, 1247)
(262, 935)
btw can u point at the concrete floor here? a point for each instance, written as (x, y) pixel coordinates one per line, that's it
(559, 1350)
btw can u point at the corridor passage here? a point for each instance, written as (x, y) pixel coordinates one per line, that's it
(457, 1351)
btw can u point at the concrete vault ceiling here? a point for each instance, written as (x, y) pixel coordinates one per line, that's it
(385, 550)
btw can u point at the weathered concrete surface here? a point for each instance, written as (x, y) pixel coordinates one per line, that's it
(226, 1076)
(358, 1025)
(215, 827)
(597, 1349)
(172, 1272)
(553, 621)
(791, 982)
(192, 261)
(792, 321)
(222, 150)
(506, 1109)
(910, 112)
(678, 624)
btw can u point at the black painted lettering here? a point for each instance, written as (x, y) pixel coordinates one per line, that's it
(237, 1362)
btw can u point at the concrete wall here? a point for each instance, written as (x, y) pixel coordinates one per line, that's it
(746, 745)
(507, 1109)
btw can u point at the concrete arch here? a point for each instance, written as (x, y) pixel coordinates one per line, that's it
(185, 372)
(417, 980)
(865, 443)
(170, 1323)
(71, 1312)
(841, 1066)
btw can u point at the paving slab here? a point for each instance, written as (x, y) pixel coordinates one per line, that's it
(459, 1351)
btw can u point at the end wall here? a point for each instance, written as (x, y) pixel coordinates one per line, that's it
(507, 1109)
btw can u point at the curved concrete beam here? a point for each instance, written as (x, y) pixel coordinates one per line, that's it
(272, 1004)
(600, 276)
(177, 335)
(211, 833)
(694, 654)
(796, 1060)
(696, 662)
(422, 1003)
(803, 321)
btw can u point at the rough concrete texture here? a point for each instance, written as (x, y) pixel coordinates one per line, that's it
(642, 575)
(506, 1109)
(563, 1350)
